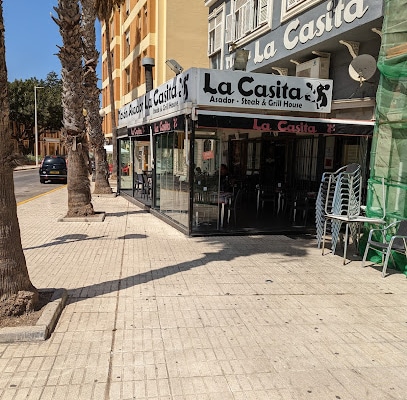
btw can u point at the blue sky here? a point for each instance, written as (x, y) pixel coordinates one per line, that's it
(31, 39)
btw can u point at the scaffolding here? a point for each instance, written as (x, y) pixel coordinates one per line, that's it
(389, 145)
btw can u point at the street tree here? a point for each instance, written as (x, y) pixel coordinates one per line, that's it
(22, 108)
(104, 10)
(74, 133)
(91, 98)
(17, 293)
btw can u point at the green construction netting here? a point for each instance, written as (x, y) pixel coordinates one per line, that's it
(389, 145)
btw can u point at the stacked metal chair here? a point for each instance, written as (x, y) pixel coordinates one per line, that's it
(324, 202)
(339, 195)
(345, 202)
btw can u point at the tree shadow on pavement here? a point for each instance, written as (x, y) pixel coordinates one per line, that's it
(132, 236)
(65, 239)
(284, 247)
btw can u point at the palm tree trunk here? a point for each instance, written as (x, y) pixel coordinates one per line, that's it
(70, 55)
(17, 293)
(112, 102)
(91, 102)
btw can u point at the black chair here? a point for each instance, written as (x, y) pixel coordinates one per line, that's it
(146, 186)
(300, 206)
(235, 206)
(139, 184)
(266, 195)
(397, 242)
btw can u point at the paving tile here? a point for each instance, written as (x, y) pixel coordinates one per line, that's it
(155, 315)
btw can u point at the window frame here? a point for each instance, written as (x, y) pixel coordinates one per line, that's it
(248, 18)
(127, 42)
(216, 31)
(128, 79)
(298, 7)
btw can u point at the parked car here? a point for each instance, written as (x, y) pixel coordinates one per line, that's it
(53, 169)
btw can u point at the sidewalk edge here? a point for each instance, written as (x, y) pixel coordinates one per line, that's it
(44, 326)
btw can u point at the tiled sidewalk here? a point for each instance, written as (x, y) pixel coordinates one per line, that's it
(153, 314)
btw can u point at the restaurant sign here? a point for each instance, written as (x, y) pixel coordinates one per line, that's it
(169, 124)
(138, 130)
(266, 92)
(238, 90)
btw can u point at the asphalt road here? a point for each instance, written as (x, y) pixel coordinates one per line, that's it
(27, 185)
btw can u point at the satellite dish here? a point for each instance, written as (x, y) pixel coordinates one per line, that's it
(362, 67)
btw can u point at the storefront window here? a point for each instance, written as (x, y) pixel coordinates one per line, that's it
(206, 213)
(125, 168)
(141, 169)
(172, 181)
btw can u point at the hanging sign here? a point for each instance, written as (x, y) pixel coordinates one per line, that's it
(238, 89)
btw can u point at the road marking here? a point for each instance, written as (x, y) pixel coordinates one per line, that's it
(40, 195)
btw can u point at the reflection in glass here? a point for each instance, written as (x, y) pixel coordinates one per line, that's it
(172, 181)
(124, 166)
(205, 213)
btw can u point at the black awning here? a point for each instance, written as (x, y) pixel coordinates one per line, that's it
(284, 124)
(176, 123)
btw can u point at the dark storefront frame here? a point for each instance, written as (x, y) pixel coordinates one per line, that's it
(205, 126)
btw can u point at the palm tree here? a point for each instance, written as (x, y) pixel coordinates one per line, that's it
(91, 102)
(104, 10)
(17, 293)
(70, 55)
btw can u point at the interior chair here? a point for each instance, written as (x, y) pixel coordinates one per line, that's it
(397, 242)
(300, 206)
(139, 184)
(235, 207)
(266, 194)
(146, 186)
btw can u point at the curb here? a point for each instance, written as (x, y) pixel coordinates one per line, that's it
(99, 216)
(45, 324)
(107, 195)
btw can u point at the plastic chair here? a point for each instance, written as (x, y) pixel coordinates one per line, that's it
(396, 243)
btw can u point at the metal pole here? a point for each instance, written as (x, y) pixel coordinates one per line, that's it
(35, 123)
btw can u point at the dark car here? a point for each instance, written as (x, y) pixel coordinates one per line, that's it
(53, 169)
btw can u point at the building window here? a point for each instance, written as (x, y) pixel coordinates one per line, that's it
(145, 15)
(127, 8)
(137, 70)
(247, 16)
(261, 12)
(242, 11)
(128, 82)
(215, 31)
(216, 61)
(111, 29)
(138, 28)
(289, 8)
(127, 43)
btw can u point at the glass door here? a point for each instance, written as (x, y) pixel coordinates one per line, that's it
(206, 187)
(172, 178)
(125, 168)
